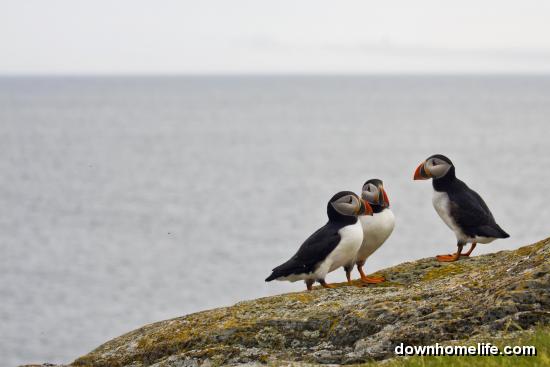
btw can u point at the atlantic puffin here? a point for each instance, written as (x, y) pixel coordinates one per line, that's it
(332, 246)
(460, 207)
(376, 228)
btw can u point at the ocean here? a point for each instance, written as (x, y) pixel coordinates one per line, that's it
(129, 200)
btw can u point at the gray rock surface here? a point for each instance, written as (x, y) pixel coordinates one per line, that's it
(423, 302)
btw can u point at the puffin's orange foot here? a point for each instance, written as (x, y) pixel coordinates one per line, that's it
(326, 285)
(447, 258)
(372, 280)
(470, 250)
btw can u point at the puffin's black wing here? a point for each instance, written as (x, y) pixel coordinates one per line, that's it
(314, 250)
(472, 214)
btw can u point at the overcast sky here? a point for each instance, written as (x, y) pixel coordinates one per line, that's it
(276, 36)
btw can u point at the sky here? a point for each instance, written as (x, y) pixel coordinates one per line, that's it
(276, 36)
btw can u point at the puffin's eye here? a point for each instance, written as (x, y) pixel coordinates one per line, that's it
(434, 163)
(350, 200)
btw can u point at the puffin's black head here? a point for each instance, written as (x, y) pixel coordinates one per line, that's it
(347, 204)
(436, 166)
(373, 192)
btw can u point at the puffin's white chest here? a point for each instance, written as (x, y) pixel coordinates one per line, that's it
(442, 205)
(376, 230)
(345, 253)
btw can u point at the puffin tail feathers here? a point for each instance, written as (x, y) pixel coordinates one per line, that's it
(283, 270)
(501, 232)
(271, 277)
(504, 234)
(494, 231)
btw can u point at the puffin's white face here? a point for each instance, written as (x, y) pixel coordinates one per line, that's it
(351, 205)
(433, 167)
(370, 193)
(375, 194)
(436, 167)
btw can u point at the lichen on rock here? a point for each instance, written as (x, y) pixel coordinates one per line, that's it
(423, 302)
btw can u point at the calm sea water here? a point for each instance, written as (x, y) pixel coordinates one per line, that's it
(125, 201)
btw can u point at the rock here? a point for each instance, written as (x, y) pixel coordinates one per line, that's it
(423, 302)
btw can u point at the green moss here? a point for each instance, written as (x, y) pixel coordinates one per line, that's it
(334, 322)
(444, 271)
(387, 283)
(83, 361)
(263, 358)
(528, 250)
(525, 251)
(302, 297)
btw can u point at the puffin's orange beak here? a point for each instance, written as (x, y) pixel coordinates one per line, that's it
(386, 200)
(420, 173)
(368, 208)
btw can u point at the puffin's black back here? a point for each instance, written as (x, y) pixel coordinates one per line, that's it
(468, 208)
(318, 246)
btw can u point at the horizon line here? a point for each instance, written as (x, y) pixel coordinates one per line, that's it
(272, 74)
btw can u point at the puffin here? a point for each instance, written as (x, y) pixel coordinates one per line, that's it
(461, 208)
(376, 228)
(332, 246)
